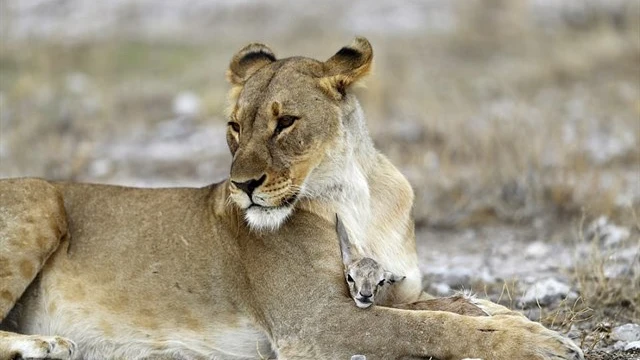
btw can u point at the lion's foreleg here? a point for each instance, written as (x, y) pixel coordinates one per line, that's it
(32, 223)
(386, 333)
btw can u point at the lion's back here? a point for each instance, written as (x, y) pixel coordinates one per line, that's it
(120, 220)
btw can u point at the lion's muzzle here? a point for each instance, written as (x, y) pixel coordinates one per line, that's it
(250, 185)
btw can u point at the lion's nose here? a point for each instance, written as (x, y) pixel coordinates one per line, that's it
(249, 186)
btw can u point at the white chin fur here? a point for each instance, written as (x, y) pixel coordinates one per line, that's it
(260, 218)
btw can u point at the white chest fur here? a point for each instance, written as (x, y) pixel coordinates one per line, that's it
(103, 334)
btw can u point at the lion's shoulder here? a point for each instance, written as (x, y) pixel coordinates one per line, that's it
(32, 222)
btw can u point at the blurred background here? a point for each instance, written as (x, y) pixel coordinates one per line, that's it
(516, 121)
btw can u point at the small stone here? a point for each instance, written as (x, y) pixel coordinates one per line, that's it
(612, 271)
(618, 345)
(358, 357)
(626, 332)
(610, 234)
(533, 314)
(573, 333)
(545, 292)
(615, 235)
(634, 345)
(537, 249)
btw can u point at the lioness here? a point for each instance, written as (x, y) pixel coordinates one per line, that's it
(222, 271)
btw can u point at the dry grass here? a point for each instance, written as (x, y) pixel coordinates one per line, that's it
(610, 299)
(488, 124)
(604, 300)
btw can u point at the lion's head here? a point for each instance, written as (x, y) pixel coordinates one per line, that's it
(286, 129)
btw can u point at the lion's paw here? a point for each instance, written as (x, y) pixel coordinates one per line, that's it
(545, 344)
(563, 349)
(43, 347)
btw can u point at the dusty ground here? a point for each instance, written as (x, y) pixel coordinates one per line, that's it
(517, 123)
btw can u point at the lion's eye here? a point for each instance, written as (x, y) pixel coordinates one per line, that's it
(349, 278)
(381, 282)
(285, 121)
(234, 126)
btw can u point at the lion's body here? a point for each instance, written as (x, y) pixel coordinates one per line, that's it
(185, 281)
(161, 286)
(250, 265)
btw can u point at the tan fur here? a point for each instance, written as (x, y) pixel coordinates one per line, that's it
(458, 304)
(179, 273)
(32, 222)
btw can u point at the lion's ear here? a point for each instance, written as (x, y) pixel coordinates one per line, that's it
(348, 65)
(247, 61)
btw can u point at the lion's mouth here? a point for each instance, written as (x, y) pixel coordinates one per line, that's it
(266, 213)
(286, 202)
(290, 201)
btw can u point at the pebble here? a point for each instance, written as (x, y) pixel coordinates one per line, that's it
(545, 292)
(537, 249)
(611, 234)
(627, 332)
(634, 345)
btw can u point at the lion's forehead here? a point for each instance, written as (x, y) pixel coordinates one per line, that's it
(298, 95)
(285, 81)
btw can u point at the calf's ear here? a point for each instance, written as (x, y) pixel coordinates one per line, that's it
(345, 244)
(392, 278)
